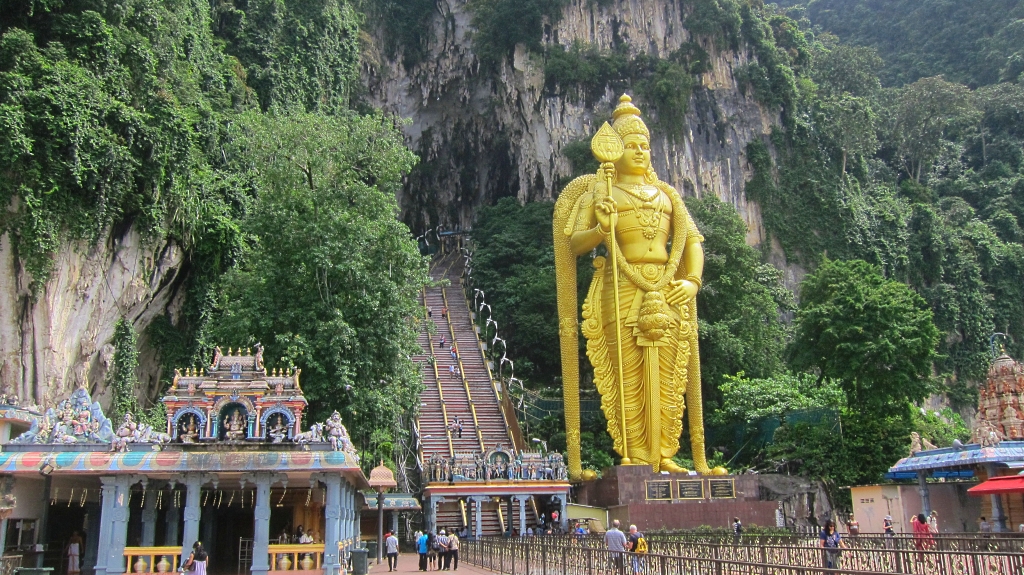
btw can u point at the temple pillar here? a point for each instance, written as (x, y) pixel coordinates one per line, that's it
(193, 486)
(118, 525)
(148, 518)
(522, 514)
(394, 523)
(922, 490)
(173, 519)
(92, 544)
(478, 503)
(332, 522)
(261, 515)
(108, 490)
(563, 521)
(998, 515)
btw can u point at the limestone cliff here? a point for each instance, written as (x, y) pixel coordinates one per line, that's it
(481, 135)
(59, 338)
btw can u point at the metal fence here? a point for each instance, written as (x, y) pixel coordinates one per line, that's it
(9, 564)
(516, 557)
(548, 555)
(676, 543)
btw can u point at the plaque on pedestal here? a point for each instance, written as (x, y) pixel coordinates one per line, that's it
(690, 488)
(659, 490)
(722, 488)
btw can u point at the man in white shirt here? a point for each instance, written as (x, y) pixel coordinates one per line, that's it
(615, 541)
(445, 559)
(391, 546)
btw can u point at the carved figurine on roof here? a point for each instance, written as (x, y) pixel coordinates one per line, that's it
(999, 402)
(332, 431)
(236, 398)
(77, 419)
(131, 431)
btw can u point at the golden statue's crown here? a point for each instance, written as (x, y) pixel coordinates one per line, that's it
(627, 119)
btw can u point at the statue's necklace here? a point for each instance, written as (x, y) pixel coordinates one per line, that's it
(648, 215)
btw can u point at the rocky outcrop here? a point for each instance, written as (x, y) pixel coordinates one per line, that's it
(59, 339)
(481, 135)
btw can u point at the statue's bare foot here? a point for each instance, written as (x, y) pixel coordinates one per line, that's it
(671, 467)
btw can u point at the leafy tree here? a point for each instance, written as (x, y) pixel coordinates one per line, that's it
(851, 126)
(740, 302)
(750, 399)
(300, 53)
(974, 43)
(330, 281)
(872, 335)
(924, 114)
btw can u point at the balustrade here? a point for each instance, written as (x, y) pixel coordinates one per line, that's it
(163, 559)
(296, 558)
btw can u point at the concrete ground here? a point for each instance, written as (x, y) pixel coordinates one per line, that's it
(409, 563)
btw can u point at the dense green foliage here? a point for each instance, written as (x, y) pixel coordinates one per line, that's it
(330, 281)
(872, 335)
(123, 378)
(222, 127)
(501, 24)
(975, 43)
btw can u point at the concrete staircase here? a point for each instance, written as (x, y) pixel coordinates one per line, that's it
(470, 397)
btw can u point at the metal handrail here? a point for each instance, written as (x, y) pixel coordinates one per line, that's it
(462, 373)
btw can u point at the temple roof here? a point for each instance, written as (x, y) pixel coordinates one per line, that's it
(1006, 453)
(234, 373)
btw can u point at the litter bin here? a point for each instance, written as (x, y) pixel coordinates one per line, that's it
(359, 566)
(371, 551)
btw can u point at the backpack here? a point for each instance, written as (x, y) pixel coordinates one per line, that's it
(641, 545)
(432, 543)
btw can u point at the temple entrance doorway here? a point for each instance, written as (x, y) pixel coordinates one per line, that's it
(230, 526)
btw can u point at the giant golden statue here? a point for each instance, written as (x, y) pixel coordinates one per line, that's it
(640, 315)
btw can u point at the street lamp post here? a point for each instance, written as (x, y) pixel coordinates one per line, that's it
(381, 478)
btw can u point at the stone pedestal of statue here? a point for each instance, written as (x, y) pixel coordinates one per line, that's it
(634, 494)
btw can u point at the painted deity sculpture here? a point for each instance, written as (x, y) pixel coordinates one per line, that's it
(640, 315)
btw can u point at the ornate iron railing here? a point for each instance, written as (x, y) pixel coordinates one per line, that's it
(671, 543)
(534, 556)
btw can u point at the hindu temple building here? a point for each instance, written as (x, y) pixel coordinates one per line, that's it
(995, 456)
(230, 467)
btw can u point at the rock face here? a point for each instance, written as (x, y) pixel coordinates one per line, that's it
(59, 339)
(481, 136)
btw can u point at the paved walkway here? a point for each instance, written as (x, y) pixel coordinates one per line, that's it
(409, 563)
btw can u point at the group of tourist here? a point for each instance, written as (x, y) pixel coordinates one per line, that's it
(633, 546)
(438, 552)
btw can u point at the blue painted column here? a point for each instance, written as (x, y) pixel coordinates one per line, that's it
(193, 486)
(108, 490)
(92, 530)
(149, 518)
(173, 519)
(261, 532)
(332, 523)
(118, 525)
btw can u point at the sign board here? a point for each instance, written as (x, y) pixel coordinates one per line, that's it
(722, 488)
(660, 490)
(690, 488)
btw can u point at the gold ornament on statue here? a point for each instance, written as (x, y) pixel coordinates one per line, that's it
(640, 315)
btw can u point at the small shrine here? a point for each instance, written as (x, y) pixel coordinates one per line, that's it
(996, 449)
(235, 398)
